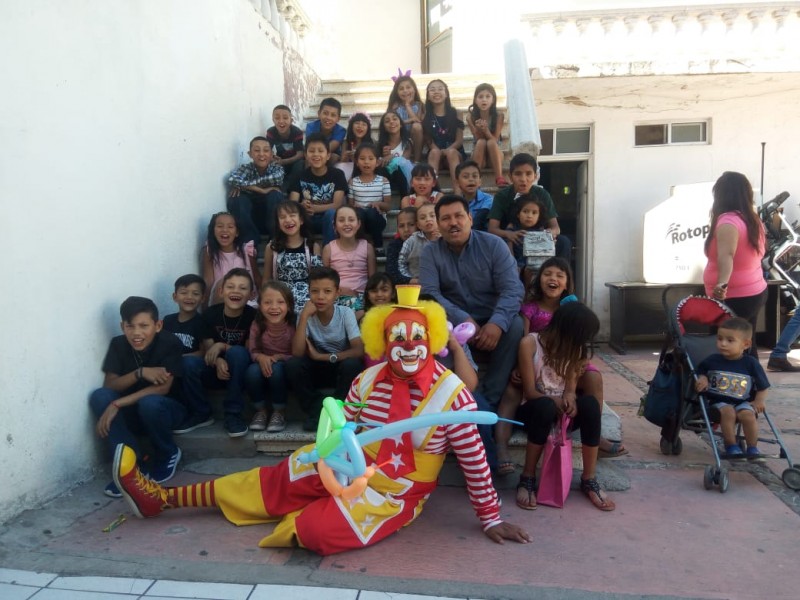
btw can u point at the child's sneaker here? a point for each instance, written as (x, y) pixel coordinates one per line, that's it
(235, 426)
(166, 470)
(753, 455)
(112, 491)
(193, 422)
(145, 497)
(259, 422)
(733, 452)
(277, 422)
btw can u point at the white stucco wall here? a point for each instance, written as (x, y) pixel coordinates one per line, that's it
(354, 39)
(626, 181)
(115, 136)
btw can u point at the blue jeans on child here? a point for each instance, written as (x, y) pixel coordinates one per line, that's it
(242, 207)
(257, 386)
(323, 223)
(788, 337)
(197, 375)
(153, 415)
(564, 247)
(373, 223)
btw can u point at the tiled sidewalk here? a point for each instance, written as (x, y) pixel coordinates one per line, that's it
(24, 585)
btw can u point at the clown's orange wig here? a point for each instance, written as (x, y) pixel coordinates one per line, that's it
(374, 336)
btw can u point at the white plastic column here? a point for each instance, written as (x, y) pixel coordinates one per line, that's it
(523, 124)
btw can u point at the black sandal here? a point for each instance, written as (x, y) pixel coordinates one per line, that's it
(529, 485)
(596, 494)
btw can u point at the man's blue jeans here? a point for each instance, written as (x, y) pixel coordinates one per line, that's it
(487, 432)
(257, 386)
(154, 416)
(197, 375)
(788, 337)
(501, 362)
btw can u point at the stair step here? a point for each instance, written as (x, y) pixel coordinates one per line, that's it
(293, 437)
(284, 442)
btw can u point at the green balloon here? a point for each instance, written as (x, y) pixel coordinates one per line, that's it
(331, 423)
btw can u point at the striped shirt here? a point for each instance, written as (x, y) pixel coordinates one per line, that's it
(365, 193)
(462, 438)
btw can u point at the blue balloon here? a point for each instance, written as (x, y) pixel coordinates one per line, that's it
(481, 417)
(355, 468)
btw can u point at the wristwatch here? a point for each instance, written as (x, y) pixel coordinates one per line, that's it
(333, 358)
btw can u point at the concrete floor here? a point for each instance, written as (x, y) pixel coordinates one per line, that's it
(669, 537)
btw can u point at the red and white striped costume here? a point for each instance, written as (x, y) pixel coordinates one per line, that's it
(463, 438)
(292, 493)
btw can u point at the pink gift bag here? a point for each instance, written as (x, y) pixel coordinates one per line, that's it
(556, 475)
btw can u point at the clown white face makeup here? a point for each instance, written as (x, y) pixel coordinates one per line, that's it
(407, 347)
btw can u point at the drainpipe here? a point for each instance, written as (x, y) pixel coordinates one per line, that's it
(523, 124)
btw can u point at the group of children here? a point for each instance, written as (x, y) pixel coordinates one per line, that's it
(156, 373)
(337, 165)
(300, 328)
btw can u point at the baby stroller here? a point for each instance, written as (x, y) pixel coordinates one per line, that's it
(672, 401)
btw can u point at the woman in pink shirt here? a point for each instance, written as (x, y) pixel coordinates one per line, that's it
(735, 247)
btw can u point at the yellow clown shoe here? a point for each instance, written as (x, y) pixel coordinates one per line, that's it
(145, 497)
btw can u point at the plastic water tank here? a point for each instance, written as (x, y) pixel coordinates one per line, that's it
(674, 234)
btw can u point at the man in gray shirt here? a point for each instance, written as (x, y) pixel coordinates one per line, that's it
(474, 276)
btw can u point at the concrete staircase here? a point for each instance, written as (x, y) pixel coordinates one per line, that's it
(370, 96)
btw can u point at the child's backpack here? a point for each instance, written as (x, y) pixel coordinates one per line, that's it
(663, 399)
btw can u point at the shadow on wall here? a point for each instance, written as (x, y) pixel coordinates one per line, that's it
(300, 82)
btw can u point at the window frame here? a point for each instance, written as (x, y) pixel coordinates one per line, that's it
(669, 124)
(555, 129)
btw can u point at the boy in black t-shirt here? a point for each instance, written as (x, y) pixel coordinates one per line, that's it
(187, 323)
(140, 369)
(736, 385)
(192, 331)
(287, 144)
(321, 188)
(225, 358)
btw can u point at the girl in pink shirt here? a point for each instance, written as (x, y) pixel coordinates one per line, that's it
(224, 251)
(352, 257)
(270, 345)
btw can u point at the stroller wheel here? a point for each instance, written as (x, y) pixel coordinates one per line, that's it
(677, 446)
(666, 446)
(708, 477)
(791, 478)
(723, 480)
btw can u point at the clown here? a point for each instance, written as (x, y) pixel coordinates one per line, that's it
(406, 467)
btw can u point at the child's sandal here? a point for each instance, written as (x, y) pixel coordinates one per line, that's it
(528, 484)
(596, 495)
